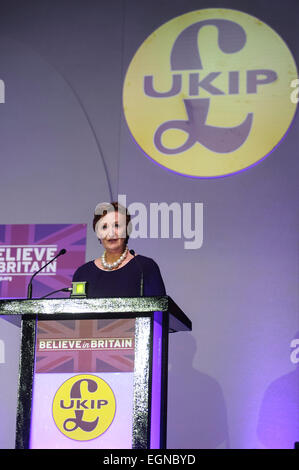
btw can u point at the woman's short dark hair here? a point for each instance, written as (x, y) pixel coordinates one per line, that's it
(103, 209)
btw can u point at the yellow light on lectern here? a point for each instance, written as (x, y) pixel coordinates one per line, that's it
(79, 289)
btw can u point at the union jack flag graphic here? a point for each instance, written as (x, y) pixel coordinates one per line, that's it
(67, 346)
(27, 247)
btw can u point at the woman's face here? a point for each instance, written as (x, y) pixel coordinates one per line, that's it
(111, 230)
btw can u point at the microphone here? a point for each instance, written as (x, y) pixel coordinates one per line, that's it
(64, 289)
(141, 270)
(29, 288)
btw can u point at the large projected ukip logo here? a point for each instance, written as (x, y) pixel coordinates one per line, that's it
(208, 93)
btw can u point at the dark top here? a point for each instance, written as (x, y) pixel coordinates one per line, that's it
(123, 282)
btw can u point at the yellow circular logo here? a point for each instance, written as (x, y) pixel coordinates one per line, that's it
(83, 407)
(208, 93)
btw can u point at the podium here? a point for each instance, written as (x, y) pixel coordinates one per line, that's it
(93, 372)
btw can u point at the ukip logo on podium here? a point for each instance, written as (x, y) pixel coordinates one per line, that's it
(84, 407)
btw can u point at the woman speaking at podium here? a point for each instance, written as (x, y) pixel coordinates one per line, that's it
(118, 272)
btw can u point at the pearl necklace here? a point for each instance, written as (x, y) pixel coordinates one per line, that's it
(116, 263)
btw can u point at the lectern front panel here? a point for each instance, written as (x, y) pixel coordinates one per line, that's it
(83, 384)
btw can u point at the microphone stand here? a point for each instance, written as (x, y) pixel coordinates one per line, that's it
(29, 288)
(141, 270)
(64, 289)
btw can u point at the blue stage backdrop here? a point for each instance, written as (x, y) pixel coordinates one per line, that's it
(187, 112)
